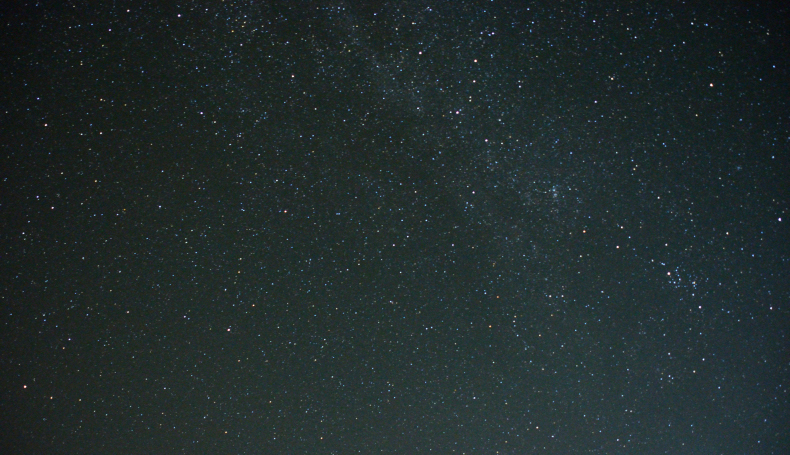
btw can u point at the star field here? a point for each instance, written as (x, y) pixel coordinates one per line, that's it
(412, 227)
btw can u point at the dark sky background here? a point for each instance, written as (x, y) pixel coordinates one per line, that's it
(415, 227)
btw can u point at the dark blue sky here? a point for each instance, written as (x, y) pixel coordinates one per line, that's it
(421, 227)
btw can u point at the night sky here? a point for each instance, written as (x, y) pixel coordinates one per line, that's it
(404, 228)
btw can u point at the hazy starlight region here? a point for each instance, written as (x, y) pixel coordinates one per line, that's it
(410, 228)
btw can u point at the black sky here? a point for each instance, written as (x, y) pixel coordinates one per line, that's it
(412, 227)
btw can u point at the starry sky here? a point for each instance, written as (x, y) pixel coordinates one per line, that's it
(394, 228)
